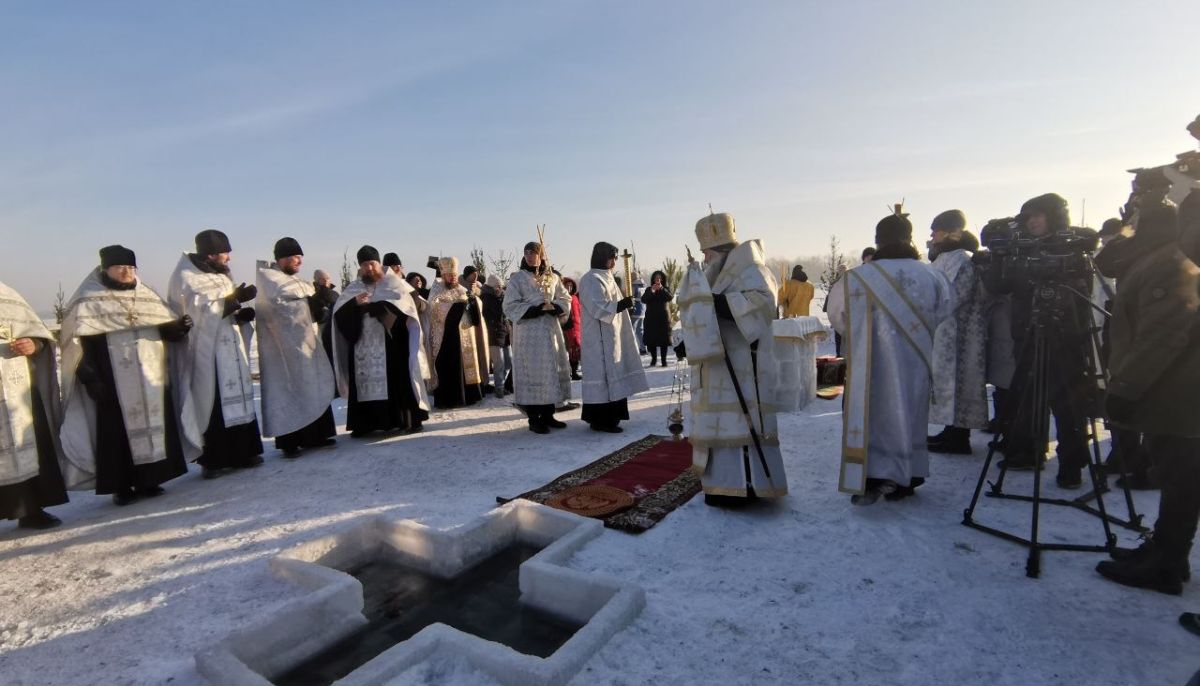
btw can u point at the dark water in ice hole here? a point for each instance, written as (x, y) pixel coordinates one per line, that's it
(399, 601)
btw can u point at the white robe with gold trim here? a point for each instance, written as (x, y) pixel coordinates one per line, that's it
(725, 452)
(887, 312)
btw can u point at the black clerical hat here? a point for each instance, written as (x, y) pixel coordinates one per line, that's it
(212, 242)
(287, 247)
(367, 254)
(114, 255)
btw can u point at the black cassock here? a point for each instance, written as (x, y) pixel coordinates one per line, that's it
(400, 410)
(452, 390)
(28, 497)
(315, 434)
(115, 470)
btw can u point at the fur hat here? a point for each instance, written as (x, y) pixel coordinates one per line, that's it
(367, 253)
(212, 242)
(117, 255)
(448, 265)
(494, 281)
(287, 247)
(715, 230)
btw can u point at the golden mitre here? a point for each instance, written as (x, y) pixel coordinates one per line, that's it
(448, 265)
(716, 229)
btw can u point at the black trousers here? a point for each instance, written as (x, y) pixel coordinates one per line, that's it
(1177, 463)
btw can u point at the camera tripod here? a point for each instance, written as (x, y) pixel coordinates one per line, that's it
(1052, 303)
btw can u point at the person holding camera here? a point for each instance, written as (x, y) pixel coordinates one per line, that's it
(1044, 228)
(1155, 374)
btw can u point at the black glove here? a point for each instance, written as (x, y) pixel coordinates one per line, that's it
(1120, 410)
(721, 305)
(245, 293)
(231, 305)
(534, 312)
(376, 309)
(245, 315)
(624, 304)
(177, 330)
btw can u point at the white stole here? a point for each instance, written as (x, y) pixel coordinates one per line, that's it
(866, 290)
(18, 444)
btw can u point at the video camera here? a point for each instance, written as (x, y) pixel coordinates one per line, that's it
(1055, 258)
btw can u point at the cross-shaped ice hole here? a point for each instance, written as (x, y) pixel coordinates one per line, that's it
(333, 608)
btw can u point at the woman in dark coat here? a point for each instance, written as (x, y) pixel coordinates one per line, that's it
(657, 332)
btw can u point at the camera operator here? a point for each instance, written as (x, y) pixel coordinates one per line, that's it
(1043, 235)
(1001, 359)
(1155, 385)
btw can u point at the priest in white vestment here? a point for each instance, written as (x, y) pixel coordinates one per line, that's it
(457, 340)
(535, 301)
(122, 432)
(379, 353)
(887, 311)
(296, 375)
(612, 367)
(30, 455)
(726, 310)
(219, 391)
(959, 359)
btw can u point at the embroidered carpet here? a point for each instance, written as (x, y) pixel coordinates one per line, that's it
(654, 472)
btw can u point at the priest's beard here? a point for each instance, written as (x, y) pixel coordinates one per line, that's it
(368, 279)
(712, 269)
(115, 285)
(217, 267)
(290, 271)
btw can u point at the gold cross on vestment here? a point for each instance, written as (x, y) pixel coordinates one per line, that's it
(855, 433)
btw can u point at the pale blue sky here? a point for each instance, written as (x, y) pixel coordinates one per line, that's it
(430, 128)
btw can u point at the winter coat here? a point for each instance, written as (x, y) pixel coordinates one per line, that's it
(492, 300)
(656, 329)
(1154, 366)
(795, 297)
(572, 326)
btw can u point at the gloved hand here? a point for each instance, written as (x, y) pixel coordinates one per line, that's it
(245, 293)
(534, 312)
(624, 303)
(177, 330)
(1119, 409)
(245, 315)
(376, 309)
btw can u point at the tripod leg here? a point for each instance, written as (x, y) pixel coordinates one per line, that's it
(1041, 428)
(1110, 540)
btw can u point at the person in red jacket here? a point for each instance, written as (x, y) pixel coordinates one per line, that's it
(572, 328)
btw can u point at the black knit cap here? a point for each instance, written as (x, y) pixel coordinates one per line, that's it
(367, 254)
(287, 247)
(212, 242)
(469, 270)
(950, 220)
(392, 260)
(117, 255)
(893, 229)
(601, 253)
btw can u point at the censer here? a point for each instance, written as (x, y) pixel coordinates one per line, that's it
(679, 385)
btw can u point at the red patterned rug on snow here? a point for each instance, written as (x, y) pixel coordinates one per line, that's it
(630, 489)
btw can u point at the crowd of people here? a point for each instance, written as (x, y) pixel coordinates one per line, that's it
(1032, 315)
(147, 383)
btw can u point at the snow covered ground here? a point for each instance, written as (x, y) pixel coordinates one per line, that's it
(808, 590)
